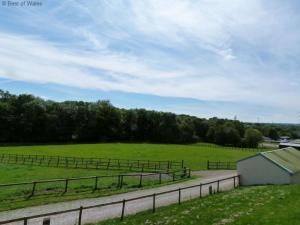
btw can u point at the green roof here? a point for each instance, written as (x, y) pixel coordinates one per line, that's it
(287, 158)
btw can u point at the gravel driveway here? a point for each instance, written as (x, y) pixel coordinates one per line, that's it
(132, 207)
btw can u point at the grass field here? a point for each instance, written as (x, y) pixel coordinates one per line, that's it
(195, 156)
(261, 205)
(18, 196)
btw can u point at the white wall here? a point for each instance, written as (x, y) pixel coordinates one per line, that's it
(258, 170)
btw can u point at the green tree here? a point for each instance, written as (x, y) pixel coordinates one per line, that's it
(252, 137)
(273, 134)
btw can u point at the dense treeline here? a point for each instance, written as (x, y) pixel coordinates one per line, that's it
(25, 118)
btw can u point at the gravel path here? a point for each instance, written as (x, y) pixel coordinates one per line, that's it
(132, 207)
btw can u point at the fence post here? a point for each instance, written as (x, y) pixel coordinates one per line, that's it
(159, 177)
(218, 186)
(200, 190)
(96, 183)
(189, 173)
(25, 221)
(119, 181)
(66, 185)
(121, 184)
(80, 215)
(153, 209)
(208, 164)
(33, 189)
(108, 164)
(233, 182)
(173, 176)
(141, 180)
(182, 164)
(179, 196)
(123, 209)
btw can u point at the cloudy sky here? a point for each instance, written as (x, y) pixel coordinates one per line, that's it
(206, 58)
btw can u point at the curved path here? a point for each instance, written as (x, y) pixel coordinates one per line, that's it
(132, 207)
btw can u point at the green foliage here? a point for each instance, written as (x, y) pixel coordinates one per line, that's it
(28, 119)
(273, 134)
(252, 137)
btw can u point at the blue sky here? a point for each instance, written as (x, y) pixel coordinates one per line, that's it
(206, 58)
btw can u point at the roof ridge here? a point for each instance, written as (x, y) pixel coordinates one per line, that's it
(281, 158)
(279, 149)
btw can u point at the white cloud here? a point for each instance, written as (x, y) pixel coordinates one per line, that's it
(209, 50)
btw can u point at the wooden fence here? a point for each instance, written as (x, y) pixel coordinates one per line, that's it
(80, 210)
(91, 163)
(212, 147)
(221, 165)
(117, 180)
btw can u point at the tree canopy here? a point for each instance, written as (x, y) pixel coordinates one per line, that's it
(26, 118)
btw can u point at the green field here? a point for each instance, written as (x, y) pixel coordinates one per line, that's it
(195, 156)
(18, 196)
(261, 205)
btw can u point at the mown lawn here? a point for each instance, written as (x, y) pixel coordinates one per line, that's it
(261, 205)
(18, 196)
(195, 156)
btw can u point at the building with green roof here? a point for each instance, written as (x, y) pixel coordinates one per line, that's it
(281, 166)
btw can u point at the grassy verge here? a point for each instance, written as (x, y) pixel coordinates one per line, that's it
(261, 205)
(195, 156)
(18, 196)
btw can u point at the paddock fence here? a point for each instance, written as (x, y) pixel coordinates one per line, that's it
(91, 163)
(212, 147)
(79, 212)
(221, 165)
(93, 183)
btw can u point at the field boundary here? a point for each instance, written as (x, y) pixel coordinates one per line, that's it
(174, 175)
(221, 165)
(214, 146)
(236, 183)
(91, 163)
